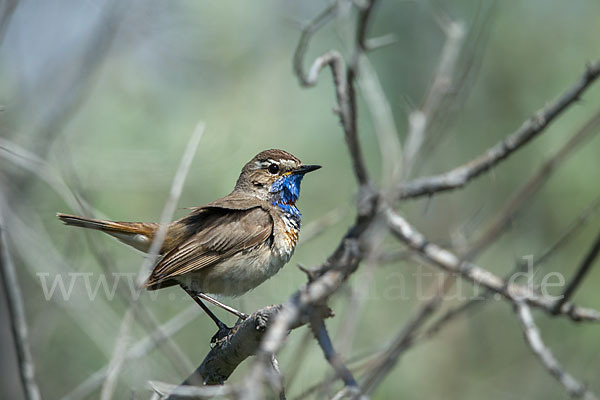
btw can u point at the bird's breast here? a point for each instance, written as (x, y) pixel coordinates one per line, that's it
(285, 236)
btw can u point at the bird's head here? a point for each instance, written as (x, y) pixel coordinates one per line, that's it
(274, 176)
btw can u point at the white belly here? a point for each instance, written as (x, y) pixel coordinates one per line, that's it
(242, 272)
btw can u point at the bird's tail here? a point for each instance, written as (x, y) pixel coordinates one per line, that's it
(135, 234)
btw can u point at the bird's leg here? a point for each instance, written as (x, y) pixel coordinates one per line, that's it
(225, 307)
(223, 329)
(194, 295)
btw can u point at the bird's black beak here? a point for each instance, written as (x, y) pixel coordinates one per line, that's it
(305, 169)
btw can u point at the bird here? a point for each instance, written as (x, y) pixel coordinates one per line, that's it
(229, 246)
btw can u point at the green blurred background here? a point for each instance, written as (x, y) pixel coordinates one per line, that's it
(109, 95)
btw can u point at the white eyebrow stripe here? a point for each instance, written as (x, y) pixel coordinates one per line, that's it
(261, 164)
(288, 163)
(266, 163)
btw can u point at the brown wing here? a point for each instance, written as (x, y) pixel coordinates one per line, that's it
(220, 233)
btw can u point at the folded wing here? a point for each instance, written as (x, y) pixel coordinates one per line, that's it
(217, 235)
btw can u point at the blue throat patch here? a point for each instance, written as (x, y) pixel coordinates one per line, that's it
(285, 194)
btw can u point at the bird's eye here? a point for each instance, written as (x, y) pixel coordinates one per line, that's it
(273, 169)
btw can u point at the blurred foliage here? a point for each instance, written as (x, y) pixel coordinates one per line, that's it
(171, 64)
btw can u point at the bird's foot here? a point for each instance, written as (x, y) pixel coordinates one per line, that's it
(221, 334)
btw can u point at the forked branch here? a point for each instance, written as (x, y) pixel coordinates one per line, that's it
(460, 176)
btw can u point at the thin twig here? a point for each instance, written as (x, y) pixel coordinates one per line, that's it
(344, 84)
(307, 33)
(275, 365)
(299, 354)
(501, 220)
(418, 125)
(327, 279)
(167, 215)
(390, 356)
(137, 351)
(76, 87)
(477, 275)
(346, 258)
(18, 320)
(118, 358)
(320, 331)
(534, 339)
(574, 227)
(46, 172)
(171, 204)
(460, 176)
(418, 121)
(380, 109)
(582, 271)
(143, 314)
(359, 292)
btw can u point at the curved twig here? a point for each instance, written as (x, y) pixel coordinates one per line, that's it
(534, 339)
(460, 176)
(16, 311)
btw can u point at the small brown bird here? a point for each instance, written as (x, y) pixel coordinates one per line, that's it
(231, 245)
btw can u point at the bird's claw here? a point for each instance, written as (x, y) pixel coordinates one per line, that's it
(221, 334)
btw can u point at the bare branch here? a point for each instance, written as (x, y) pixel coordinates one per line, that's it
(277, 370)
(469, 305)
(389, 357)
(419, 120)
(18, 320)
(582, 271)
(346, 258)
(136, 352)
(242, 342)
(380, 42)
(380, 109)
(534, 339)
(477, 275)
(507, 213)
(177, 187)
(174, 392)
(501, 221)
(42, 170)
(320, 331)
(118, 358)
(307, 32)
(171, 204)
(574, 227)
(299, 355)
(460, 176)
(346, 105)
(344, 84)
(79, 84)
(327, 279)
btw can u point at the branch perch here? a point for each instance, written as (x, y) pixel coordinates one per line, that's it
(534, 339)
(477, 275)
(582, 271)
(460, 176)
(18, 322)
(242, 342)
